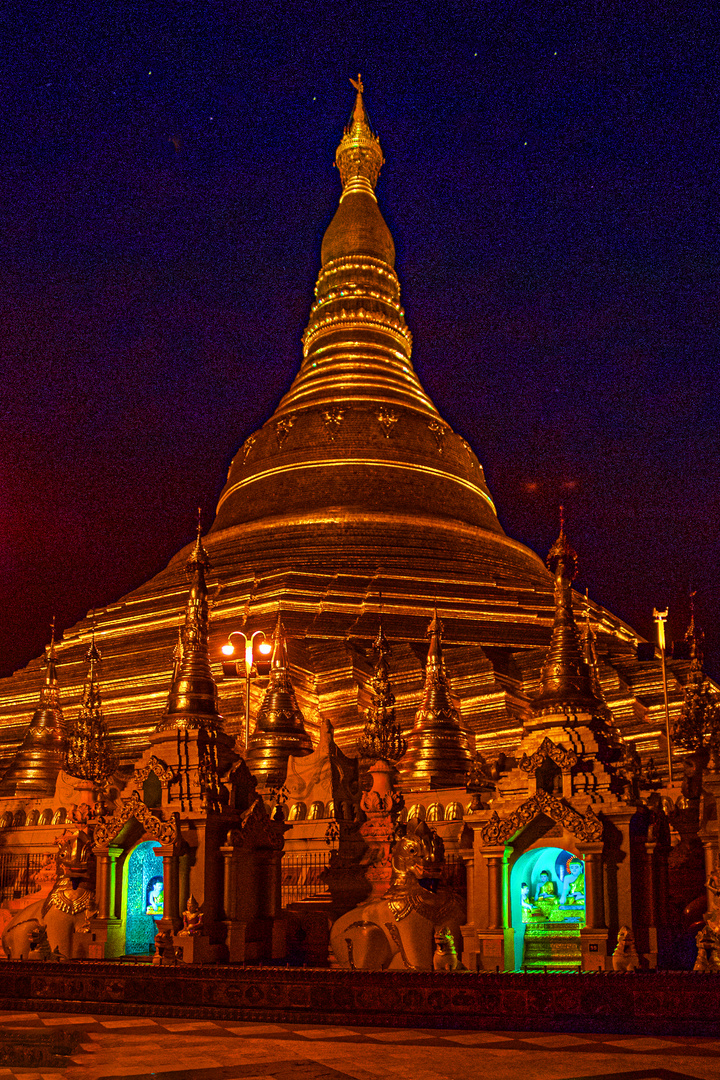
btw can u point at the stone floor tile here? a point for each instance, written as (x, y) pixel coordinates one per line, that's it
(61, 1021)
(9, 1017)
(477, 1038)
(395, 1035)
(558, 1039)
(640, 1044)
(326, 1033)
(135, 1021)
(258, 1029)
(193, 1025)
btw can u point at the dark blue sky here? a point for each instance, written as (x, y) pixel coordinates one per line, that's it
(551, 184)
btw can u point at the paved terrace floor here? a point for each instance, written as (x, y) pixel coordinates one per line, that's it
(170, 1049)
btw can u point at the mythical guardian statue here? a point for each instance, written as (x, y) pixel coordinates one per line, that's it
(398, 931)
(67, 908)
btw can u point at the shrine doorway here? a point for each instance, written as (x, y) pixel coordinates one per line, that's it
(547, 909)
(143, 898)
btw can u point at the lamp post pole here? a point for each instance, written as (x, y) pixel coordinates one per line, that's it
(660, 618)
(229, 650)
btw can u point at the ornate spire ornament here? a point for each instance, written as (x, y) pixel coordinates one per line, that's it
(567, 683)
(279, 724)
(697, 728)
(382, 738)
(34, 770)
(359, 157)
(438, 748)
(192, 701)
(88, 755)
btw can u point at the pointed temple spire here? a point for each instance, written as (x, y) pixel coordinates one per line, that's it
(279, 724)
(88, 755)
(697, 728)
(382, 738)
(567, 683)
(356, 407)
(34, 770)
(438, 748)
(193, 700)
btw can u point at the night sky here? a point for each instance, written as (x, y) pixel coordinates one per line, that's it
(551, 185)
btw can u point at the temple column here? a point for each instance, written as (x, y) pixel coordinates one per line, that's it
(468, 930)
(495, 858)
(171, 887)
(106, 881)
(594, 890)
(228, 852)
(594, 935)
(710, 851)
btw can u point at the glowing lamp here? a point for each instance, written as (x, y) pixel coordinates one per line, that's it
(265, 648)
(228, 649)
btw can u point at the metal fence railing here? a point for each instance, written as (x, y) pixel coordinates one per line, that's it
(302, 876)
(454, 875)
(17, 873)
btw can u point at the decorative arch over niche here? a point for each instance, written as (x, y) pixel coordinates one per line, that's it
(164, 832)
(586, 828)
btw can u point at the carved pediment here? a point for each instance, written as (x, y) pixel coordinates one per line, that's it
(256, 830)
(565, 759)
(584, 827)
(107, 830)
(163, 772)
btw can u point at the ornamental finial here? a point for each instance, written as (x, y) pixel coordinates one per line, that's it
(562, 560)
(359, 156)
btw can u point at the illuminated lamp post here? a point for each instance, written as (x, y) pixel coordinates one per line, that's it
(232, 668)
(660, 618)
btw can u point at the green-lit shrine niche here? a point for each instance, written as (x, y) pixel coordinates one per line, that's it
(547, 909)
(144, 898)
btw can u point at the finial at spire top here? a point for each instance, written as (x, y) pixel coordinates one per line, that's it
(198, 555)
(93, 654)
(561, 558)
(50, 653)
(359, 156)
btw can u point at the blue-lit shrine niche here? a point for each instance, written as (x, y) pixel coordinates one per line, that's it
(547, 908)
(144, 898)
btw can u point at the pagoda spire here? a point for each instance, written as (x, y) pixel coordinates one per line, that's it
(193, 700)
(279, 724)
(34, 770)
(697, 728)
(356, 420)
(382, 738)
(88, 755)
(567, 683)
(438, 748)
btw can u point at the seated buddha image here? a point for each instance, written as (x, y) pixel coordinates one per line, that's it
(154, 897)
(546, 901)
(572, 890)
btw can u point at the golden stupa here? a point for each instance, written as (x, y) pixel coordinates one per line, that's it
(355, 488)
